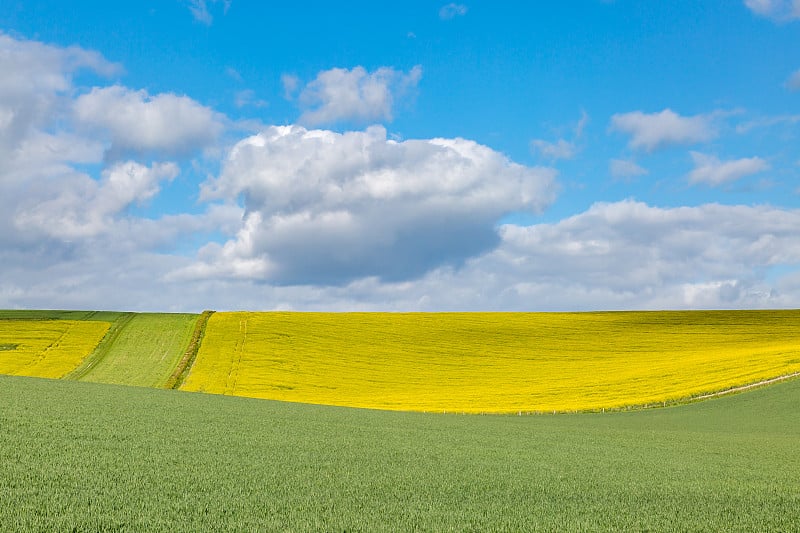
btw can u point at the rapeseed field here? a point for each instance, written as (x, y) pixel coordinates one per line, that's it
(492, 362)
(47, 348)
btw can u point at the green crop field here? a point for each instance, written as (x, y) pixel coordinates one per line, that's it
(145, 350)
(89, 457)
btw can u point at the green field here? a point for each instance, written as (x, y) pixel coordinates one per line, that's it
(89, 457)
(144, 350)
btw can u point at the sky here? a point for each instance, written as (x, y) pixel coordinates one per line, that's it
(181, 155)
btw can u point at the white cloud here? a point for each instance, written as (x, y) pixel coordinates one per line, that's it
(624, 168)
(354, 95)
(34, 85)
(290, 84)
(709, 169)
(452, 10)
(247, 98)
(165, 123)
(84, 207)
(777, 10)
(622, 255)
(653, 130)
(67, 216)
(200, 12)
(581, 124)
(767, 122)
(560, 149)
(793, 83)
(324, 207)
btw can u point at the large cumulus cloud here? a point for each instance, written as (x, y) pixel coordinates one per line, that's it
(326, 208)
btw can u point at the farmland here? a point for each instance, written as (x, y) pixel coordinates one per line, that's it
(90, 457)
(144, 352)
(493, 362)
(81, 456)
(45, 347)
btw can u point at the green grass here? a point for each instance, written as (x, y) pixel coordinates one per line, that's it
(88, 457)
(37, 314)
(141, 349)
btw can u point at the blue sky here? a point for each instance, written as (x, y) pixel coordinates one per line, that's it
(182, 155)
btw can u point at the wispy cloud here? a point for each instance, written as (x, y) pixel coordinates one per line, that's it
(201, 13)
(650, 131)
(777, 10)
(452, 10)
(793, 83)
(561, 149)
(709, 169)
(624, 169)
(354, 94)
(247, 98)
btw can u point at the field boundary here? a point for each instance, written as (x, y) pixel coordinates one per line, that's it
(187, 361)
(746, 387)
(102, 348)
(681, 401)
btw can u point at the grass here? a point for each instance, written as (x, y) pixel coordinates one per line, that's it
(143, 350)
(49, 348)
(492, 362)
(42, 314)
(88, 457)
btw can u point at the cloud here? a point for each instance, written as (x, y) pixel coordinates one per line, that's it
(35, 85)
(67, 216)
(793, 83)
(354, 95)
(710, 170)
(581, 124)
(84, 207)
(200, 12)
(326, 208)
(247, 98)
(623, 168)
(166, 123)
(650, 131)
(452, 10)
(621, 255)
(560, 149)
(767, 122)
(777, 10)
(630, 255)
(290, 84)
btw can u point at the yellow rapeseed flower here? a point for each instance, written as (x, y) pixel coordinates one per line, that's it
(492, 362)
(47, 348)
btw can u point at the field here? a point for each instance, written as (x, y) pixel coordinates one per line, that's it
(90, 457)
(38, 345)
(493, 362)
(145, 350)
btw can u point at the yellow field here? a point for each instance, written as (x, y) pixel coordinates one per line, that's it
(492, 362)
(47, 348)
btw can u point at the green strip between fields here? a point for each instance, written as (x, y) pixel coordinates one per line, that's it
(102, 348)
(185, 365)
